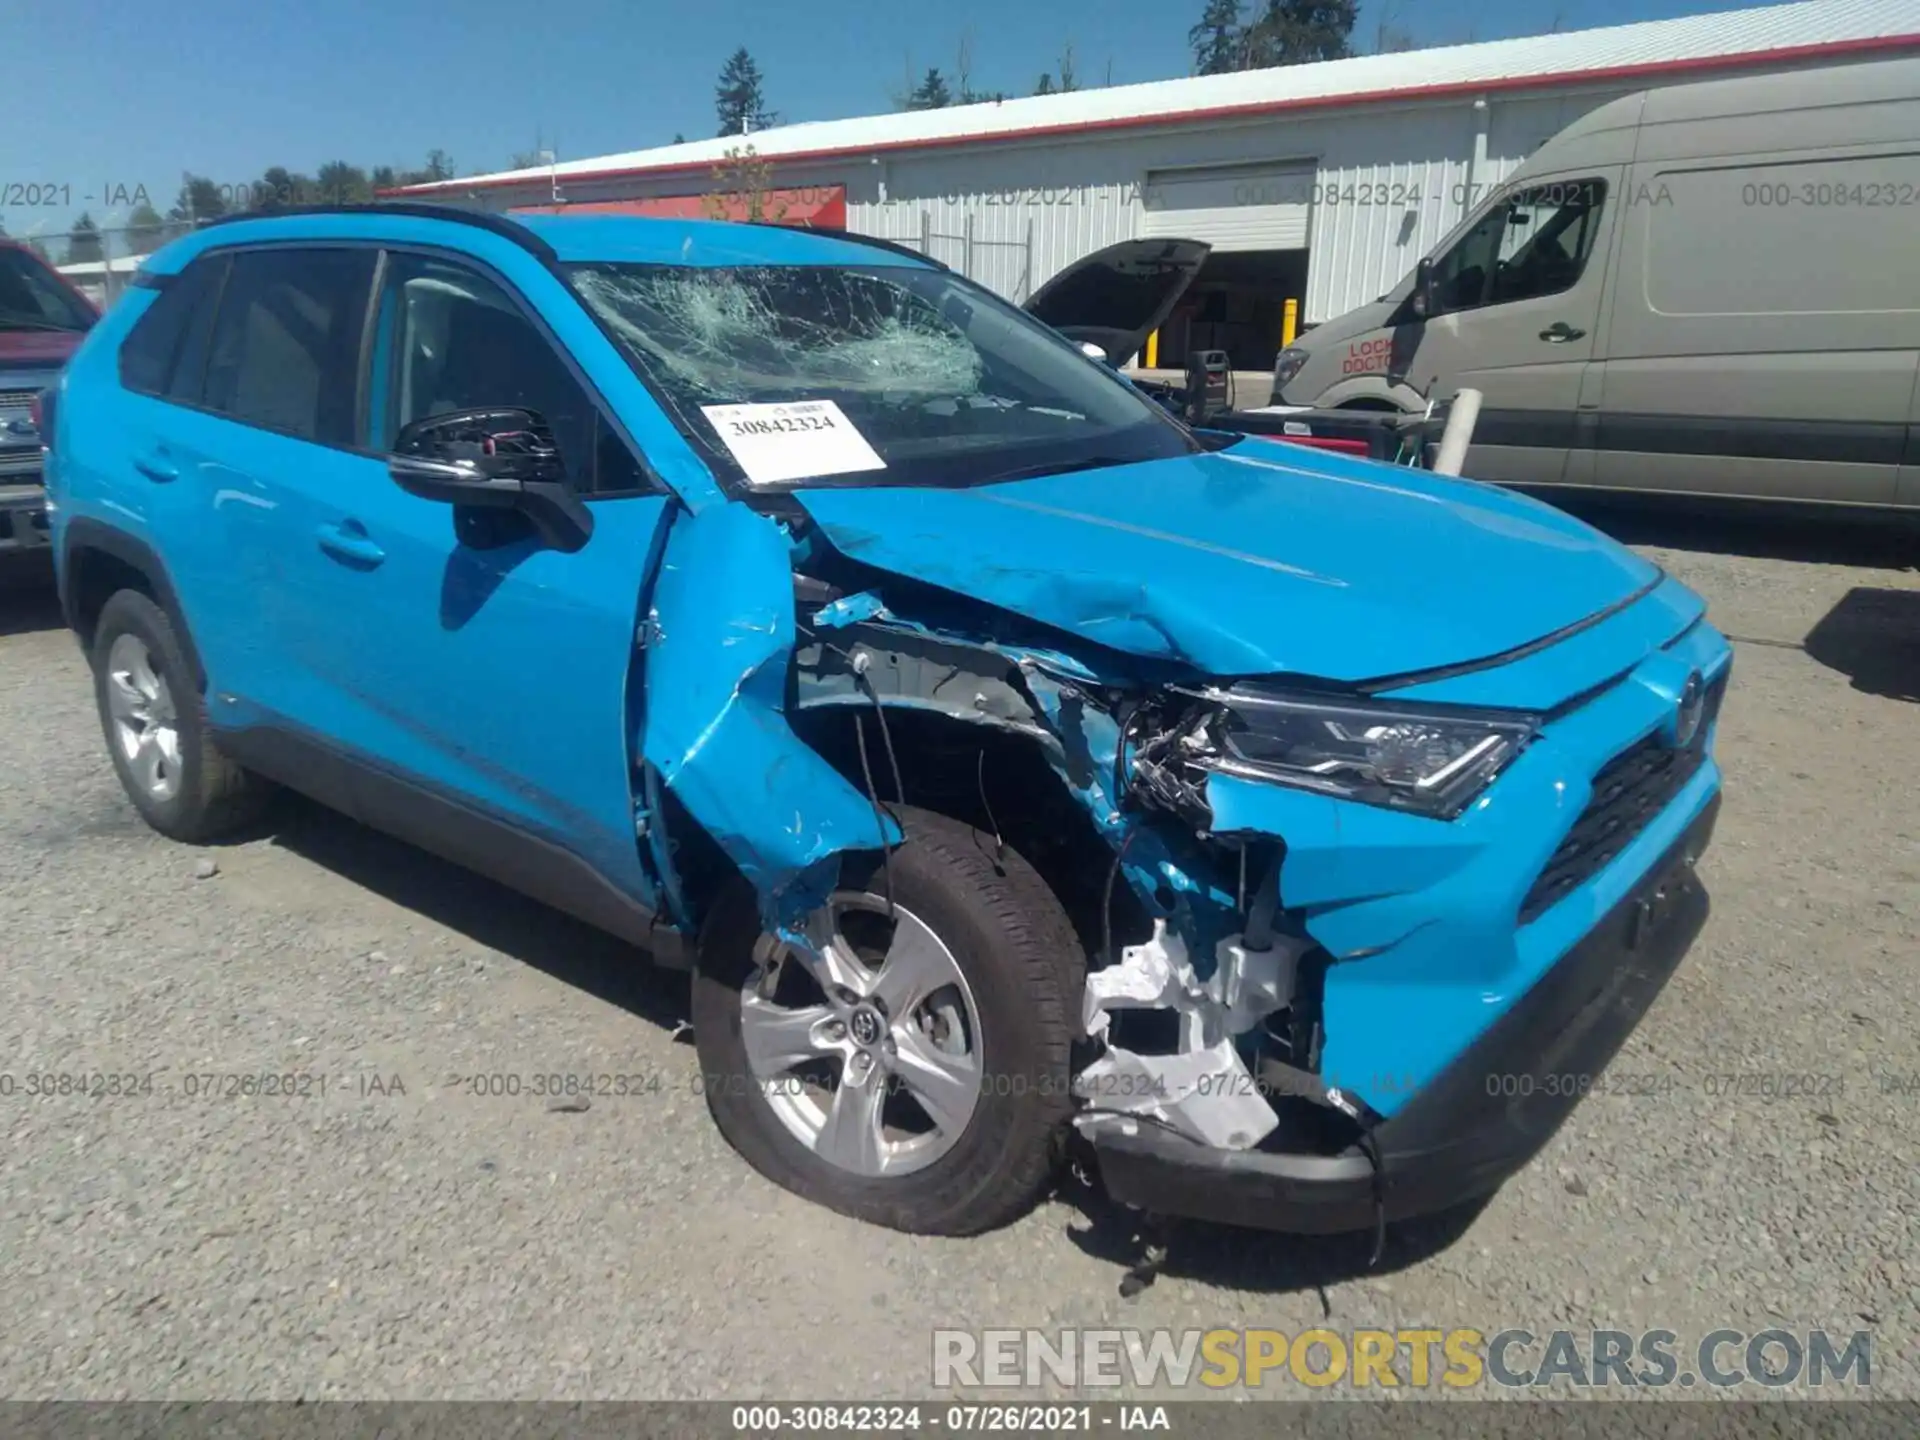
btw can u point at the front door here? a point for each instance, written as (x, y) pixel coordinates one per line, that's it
(484, 668)
(1518, 305)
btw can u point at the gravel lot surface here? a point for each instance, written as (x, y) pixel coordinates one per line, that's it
(397, 1237)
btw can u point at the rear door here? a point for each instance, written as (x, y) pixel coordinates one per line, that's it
(1519, 308)
(245, 383)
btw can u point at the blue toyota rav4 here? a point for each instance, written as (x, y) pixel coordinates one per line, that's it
(1005, 759)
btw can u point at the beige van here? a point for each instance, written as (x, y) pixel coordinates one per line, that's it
(1711, 289)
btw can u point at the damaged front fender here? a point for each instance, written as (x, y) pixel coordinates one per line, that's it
(718, 642)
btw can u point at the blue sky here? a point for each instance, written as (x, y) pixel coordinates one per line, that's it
(104, 95)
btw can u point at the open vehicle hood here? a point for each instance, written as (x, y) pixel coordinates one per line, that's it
(1255, 560)
(1118, 296)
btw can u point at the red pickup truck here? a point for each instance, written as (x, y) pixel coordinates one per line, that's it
(42, 320)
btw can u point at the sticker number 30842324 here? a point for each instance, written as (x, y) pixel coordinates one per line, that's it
(775, 444)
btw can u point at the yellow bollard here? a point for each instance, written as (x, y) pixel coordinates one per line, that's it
(1153, 351)
(1289, 322)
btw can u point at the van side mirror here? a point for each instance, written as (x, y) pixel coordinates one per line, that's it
(1095, 353)
(492, 460)
(1422, 301)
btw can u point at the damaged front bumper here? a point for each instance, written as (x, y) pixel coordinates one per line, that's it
(1473, 975)
(1477, 1122)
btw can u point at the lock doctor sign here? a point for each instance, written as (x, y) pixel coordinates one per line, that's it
(1367, 357)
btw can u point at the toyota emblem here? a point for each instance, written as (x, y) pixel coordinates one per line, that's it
(865, 1025)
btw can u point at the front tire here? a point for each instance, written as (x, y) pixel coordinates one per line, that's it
(156, 726)
(908, 1065)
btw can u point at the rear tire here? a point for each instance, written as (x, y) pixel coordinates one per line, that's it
(1012, 972)
(155, 722)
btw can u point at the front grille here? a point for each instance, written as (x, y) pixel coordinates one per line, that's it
(17, 399)
(1629, 791)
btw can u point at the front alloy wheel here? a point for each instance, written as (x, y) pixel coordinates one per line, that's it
(864, 1037)
(904, 1061)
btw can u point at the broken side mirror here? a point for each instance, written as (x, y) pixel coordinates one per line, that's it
(490, 464)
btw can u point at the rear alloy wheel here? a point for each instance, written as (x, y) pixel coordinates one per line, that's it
(141, 718)
(903, 1062)
(156, 726)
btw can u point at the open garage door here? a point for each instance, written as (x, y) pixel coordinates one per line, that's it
(1231, 207)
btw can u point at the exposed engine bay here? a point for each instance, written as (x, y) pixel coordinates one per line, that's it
(1207, 1022)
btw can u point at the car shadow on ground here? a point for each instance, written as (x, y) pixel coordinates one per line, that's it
(1873, 638)
(577, 954)
(28, 605)
(1237, 1259)
(484, 911)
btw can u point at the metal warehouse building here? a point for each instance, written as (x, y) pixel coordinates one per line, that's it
(1317, 183)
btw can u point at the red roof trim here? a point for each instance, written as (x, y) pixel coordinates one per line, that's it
(1645, 70)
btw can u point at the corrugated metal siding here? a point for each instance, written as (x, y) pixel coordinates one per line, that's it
(1391, 179)
(1388, 185)
(1569, 54)
(1009, 219)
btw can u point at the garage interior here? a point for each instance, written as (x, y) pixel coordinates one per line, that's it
(1237, 303)
(1256, 218)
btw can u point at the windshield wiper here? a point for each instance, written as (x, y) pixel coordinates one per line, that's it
(1036, 472)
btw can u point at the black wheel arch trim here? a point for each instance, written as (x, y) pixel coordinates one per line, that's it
(84, 534)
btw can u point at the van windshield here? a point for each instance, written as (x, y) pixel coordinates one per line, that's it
(766, 369)
(32, 299)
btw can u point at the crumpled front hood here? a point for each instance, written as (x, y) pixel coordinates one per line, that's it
(1261, 559)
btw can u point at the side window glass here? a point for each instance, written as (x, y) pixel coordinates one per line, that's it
(150, 356)
(452, 339)
(1534, 243)
(1549, 233)
(189, 376)
(1460, 276)
(286, 343)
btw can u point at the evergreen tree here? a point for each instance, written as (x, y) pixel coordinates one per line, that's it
(739, 100)
(1298, 32)
(1219, 42)
(931, 93)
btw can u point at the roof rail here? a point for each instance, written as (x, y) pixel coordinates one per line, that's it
(500, 225)
(896, 246)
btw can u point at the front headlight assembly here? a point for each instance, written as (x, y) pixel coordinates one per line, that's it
(1287, 365)
(1429, 761)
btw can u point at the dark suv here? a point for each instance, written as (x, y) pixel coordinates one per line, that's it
(1006, 757)
(42, 319)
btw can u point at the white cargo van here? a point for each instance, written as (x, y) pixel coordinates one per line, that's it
(1711, 289)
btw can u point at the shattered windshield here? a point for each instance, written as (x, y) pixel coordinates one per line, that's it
(890, 375)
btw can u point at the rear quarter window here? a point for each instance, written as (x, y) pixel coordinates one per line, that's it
(152, 354)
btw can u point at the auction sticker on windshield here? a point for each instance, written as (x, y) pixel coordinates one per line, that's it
(777, 443)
